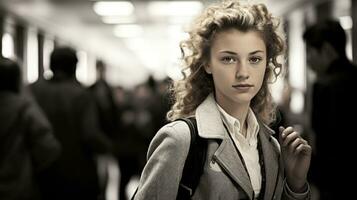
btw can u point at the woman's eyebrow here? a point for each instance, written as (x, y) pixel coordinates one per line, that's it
(229, 52)
(234, 53)
(257, 51)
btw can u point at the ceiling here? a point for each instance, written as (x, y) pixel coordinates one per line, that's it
(131, 60)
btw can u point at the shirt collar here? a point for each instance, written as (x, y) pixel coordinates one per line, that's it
(230, 122)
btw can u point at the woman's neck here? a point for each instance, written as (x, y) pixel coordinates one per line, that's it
(238, 111)
(241, 114)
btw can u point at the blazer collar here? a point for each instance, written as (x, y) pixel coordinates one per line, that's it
(207, 113)
(210, 126)
(209, 122)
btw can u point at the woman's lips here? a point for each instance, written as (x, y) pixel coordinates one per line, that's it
(242, 86)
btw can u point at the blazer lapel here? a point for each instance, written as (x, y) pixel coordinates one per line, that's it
(271, 161)
(210, 126)
(228, 159)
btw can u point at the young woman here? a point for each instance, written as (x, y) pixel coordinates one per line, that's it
(231, 57)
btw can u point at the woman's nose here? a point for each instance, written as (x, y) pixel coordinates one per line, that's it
(242, 72)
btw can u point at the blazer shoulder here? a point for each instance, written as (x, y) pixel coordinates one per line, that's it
(175, 134)
(167, 153)
(175, 129)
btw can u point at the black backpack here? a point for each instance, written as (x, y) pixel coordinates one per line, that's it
(194, 164)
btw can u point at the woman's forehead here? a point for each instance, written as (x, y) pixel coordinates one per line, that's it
(235, 40)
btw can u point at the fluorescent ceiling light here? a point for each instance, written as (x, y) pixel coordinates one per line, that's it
(175, 8)
(119, 19)
(124, 31)
(109, 8)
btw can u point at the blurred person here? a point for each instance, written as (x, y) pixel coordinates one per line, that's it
(105, 102)
(108, 115)
(231, 57)
(333, 102)
(161, 102)
(71, 110)
(147, 108)
(27, 143)
(138, 130)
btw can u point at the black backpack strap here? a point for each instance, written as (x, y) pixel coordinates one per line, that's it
(194, 164)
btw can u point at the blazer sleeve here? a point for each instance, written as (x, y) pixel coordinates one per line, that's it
(290, 195)
(166, 157)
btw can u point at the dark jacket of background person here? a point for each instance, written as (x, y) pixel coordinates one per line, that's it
(27, 144)
(106, 105)
(71, 110)
(109, 123)
(333, 109)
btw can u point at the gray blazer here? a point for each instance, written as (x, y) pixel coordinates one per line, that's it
(224, 176)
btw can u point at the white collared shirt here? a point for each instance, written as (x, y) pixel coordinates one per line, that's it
(247, 146)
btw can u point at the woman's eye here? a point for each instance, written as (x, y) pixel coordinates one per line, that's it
(228, 60)
(255, 60)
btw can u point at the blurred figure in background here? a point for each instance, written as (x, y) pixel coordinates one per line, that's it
(27, 144)
(105, 102)
(143, 112)
(333, 102)
(162, 102)
(108, 114)
(138, 129)
(71, 110)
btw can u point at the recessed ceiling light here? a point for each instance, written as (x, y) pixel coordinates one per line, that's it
(110, 8)
(175, 8)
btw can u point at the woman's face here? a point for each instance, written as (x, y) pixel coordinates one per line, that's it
(237, 63)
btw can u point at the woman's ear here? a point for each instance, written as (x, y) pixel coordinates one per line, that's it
(207, 68)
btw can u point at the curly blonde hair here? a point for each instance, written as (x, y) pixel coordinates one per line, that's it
(196, 84)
